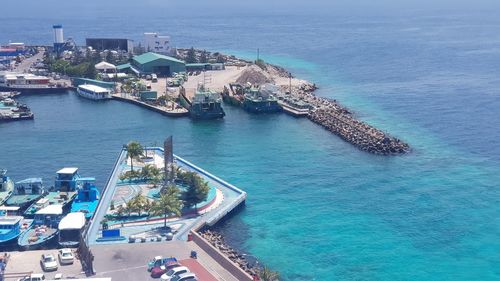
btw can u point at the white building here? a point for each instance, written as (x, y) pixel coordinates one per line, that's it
(153, 42)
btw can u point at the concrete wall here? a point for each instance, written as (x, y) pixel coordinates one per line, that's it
(224, 261)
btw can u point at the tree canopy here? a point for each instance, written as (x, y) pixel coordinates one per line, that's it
(197, 188)
(191, 56)
(134, 150)
(168, 203)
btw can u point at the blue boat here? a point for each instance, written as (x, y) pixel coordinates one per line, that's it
(87, 199)
(63, 193)
(26, 192)
(6, 187)
(44, 228)
(11, 227)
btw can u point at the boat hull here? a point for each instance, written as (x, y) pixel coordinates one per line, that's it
(22, 201)
(262, 107)
(26, 241)
(33, 91)
(86, 207)
(30, 211)
(12, 241)
(92, 97)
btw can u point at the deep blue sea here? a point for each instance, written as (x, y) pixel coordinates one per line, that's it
(318, 208)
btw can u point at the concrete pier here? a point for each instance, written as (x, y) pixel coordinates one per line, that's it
(160, 109)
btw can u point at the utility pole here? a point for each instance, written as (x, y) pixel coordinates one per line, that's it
(290, 82)
(258, 53)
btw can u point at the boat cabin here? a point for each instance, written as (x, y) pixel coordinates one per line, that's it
(70, 228)
(9, 210)
(9, 227)
(88, 191)
(67, 179)
(29, 186)
(49, 216)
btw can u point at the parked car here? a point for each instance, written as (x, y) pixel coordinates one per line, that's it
(65, 256)
(48, 262)
(174, 272)
(156, 261)
(33, 277)
(154, 78)
(185, 277)
(158, 271)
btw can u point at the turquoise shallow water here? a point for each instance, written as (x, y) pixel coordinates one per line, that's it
(317, 209)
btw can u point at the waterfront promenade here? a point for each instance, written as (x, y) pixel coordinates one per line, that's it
(230, 197)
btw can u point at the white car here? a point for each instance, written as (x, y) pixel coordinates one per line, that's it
(48, 262)
(33, 277)
(65, 256)
(185, 277)
(174, 272)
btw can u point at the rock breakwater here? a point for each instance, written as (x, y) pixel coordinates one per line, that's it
(217, 240)
(339, 120)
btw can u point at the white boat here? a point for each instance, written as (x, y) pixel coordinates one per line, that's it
(93, 92)
(70, 228)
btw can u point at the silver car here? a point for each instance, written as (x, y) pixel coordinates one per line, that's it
(65, 256)
(48, 262)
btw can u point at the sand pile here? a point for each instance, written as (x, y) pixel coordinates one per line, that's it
(254, 75)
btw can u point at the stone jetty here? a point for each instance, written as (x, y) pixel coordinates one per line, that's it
(339, 120)
(217, 240)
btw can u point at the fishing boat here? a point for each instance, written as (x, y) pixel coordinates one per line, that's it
(70, 229)
(44, 228)
(205, 105)
(63, 193)
(11, 227)
(261, 100)
(93, 92)
(6, 186)
(26, 192)
(87, 199)
(233, 95)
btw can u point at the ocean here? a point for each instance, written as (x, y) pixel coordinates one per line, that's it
(317, 208)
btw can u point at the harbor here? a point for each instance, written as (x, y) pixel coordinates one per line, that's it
(98, 222)
(189, 82)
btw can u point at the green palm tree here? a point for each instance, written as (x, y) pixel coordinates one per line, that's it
(134, 149)
(138, 203)
(168, 203)
(266, 274)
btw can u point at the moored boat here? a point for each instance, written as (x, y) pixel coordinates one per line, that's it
(70, 228)
(11, 227)
(205, 105)
(87, 198)
(63, 193)
(261, 100)
(93, 92)
(28, 83)
(44, 228)
(26, 192)
(6, 186)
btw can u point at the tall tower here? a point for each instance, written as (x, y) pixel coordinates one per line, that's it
(58, 38)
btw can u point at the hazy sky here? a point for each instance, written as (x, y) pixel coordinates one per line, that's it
(51, 7)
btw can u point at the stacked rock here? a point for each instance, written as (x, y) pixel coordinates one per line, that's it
(217, 240)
